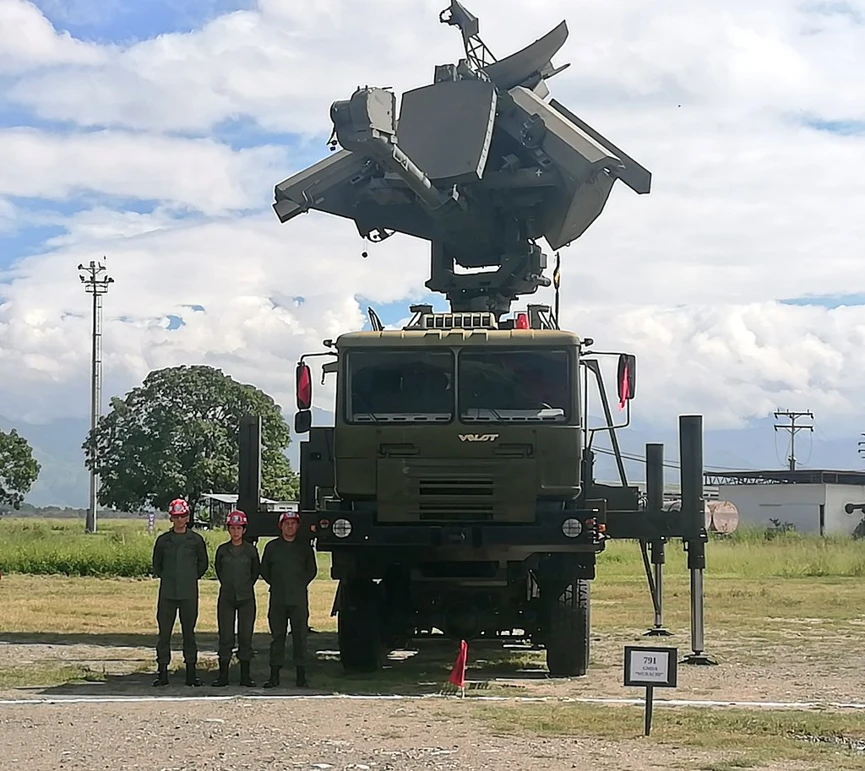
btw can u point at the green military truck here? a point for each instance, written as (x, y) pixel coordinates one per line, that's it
(454, 492)
(456, 488)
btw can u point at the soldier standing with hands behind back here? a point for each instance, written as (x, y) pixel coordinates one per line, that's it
(179, 561)
(288, 566)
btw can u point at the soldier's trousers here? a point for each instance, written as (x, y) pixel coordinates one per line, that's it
(166, 615)
(227, 611)
(278, 617)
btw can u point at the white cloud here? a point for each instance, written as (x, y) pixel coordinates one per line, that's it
(197, 174)
(29, 41)
(736, 362)
(245, 274)
(285, 62)
(748, 204)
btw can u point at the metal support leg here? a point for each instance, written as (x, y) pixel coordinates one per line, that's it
(693, 505)
(657, 550)
(654, 503)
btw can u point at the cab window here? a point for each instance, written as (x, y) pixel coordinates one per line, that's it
(510, 386)
(400, 386)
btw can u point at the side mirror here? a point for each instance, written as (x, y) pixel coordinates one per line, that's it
(302, 421)
(303, 386)
(626, 377)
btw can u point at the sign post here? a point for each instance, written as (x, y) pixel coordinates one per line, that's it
(651, 668)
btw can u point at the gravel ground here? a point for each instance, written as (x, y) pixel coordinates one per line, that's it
(303, 734)
(793, 676)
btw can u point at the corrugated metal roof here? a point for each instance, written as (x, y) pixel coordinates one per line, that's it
(785, 476)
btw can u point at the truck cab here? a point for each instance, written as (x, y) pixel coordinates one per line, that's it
(451, 489)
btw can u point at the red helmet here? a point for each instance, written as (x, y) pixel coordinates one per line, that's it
(178, 508)
(236, 517)
(286, 515)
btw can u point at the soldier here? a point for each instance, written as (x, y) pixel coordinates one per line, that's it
(237, 566)
(179, 561)
(288, 565)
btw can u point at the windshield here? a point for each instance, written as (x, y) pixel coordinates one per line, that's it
(502, 385)
(400, 386)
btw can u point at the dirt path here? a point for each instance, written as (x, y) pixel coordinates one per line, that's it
(305, 734)
(810, 672)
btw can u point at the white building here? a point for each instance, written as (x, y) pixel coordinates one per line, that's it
(813, 500)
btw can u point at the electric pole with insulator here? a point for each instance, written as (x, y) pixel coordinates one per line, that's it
(97, 285)
(793, 429)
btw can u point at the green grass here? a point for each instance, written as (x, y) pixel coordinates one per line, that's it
(46, 674)
(122, 548)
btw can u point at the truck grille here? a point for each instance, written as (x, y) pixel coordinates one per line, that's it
(439, 490)
(461, 487)
(437, 502)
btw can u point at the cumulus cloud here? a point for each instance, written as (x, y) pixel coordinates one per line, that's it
(197, 174)
(284, 62)
(752, 201)
(29, 41)
(736, 362)
(252, 295)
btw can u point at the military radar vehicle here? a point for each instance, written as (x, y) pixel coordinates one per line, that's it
(456, 489)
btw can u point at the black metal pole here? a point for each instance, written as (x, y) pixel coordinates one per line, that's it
(249, 473)
(654, 505)
(694, 518)
(650, 697)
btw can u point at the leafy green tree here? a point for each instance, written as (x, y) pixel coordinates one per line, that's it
(176, 436)
(18, 468)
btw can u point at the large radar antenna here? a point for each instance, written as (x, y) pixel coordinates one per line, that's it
(480, 163)
(477, 53)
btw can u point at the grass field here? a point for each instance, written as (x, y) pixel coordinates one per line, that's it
(785, 616)
(122, 548)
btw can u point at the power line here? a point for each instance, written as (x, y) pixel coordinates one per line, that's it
(667, 464)
(97, 286)
(793, 429)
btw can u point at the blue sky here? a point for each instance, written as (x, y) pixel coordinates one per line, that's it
(119, 21)
(153, 134)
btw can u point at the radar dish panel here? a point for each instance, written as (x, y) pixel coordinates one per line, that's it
(446, 129)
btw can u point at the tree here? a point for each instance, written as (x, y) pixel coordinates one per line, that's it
(176, 436)
(18, 468)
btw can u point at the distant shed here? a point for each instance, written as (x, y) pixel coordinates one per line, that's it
(812, 500)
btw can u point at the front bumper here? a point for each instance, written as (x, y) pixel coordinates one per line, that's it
(547, 534)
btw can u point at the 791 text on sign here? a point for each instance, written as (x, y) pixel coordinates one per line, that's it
(650, 666)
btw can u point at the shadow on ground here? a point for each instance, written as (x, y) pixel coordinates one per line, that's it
(421, 670)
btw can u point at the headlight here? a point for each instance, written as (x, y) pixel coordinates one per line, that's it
(572, 528)
(341, 528)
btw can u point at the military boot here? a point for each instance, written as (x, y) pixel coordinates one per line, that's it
(191, 677)
(222, 680)
(274, 678)
(245, 679)
(300, 679)
(161, 676)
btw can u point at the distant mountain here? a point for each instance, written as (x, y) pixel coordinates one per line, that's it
(64, 481)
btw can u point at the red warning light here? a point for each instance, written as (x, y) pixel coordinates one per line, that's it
(522, 321)
(303, 386)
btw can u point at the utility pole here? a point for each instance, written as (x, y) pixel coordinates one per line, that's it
(793, 429)
(97, 285)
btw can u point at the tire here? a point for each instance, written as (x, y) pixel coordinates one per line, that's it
(568, 629)
(359, 626)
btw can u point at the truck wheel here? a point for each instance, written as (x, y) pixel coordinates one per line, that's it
(359, 626)
(568, 630)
